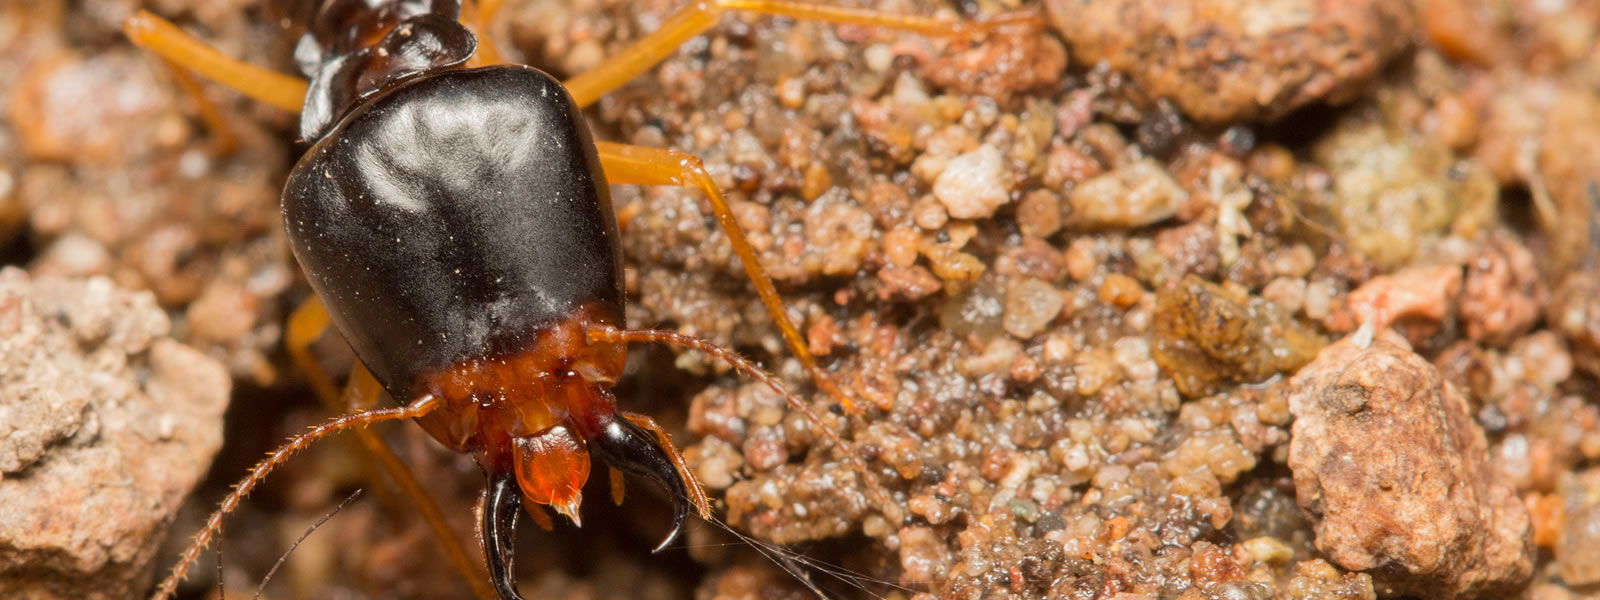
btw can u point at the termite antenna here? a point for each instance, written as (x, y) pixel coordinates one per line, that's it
(416, 409)
(740, 363)
(285, 556)
(797, 565)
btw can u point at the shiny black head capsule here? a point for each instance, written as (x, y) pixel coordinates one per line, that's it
(452, 217)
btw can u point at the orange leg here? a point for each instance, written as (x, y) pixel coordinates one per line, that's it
(476, 16)
(487, 9)
(415, 410)
(701, 15)
(655, 166)
(288, 92)
(222, 139)
(164, 39)
(306, 325)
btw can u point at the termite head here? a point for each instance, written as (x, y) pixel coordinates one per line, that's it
(536, 419)
(551, 466)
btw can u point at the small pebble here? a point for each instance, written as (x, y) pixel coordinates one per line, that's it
(1030, 306)
(1039, 214)
(1578, 552)
(1131, 196)
(973, 185)
(1120, 291)
(879, 57)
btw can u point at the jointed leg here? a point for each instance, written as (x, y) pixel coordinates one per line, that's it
(655, 166)
(222, 139)
(148, 31)
(306, 326)
(476, 17)
(701, 15)
(157, 35)
(415, 410)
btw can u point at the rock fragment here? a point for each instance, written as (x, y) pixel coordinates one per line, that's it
(111, 425)
(1575, 313)
(1223, 61)
(1578, 551)
(1392, 190)
(1206, 335)
(1569, 171)
(973, 185)
(1316, 579)
(1503, 294)
(1010, 62)
(1030, 306)
(1394, 473)
(1134, 195)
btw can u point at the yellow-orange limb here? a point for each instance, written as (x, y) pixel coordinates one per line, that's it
(417, 409)
(222, 138)
(307, 324)
(640, 165)
(476, 16)
(148, 31)
(164, 39)
(697, 496)
(487, 9)
(701, 15)
(748, 368)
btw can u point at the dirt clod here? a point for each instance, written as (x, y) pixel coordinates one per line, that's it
(1394, 474)
(108, 424)
(1135, 195)
(1206, 335)
(1223, 61)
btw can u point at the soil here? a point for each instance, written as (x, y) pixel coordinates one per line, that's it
(1164, 311)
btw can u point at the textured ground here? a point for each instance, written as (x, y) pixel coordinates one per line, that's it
(1117, 293)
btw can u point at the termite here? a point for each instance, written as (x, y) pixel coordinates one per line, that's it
(453, 217)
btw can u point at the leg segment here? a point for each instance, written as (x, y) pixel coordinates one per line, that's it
(415, 410)
(654, 166)
(701, 15)
(306, 326)
(476, 17)
(222, 139)
(157, 35)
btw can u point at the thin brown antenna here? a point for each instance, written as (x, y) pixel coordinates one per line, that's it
(415, 410)
(262, 587)
(612, 334)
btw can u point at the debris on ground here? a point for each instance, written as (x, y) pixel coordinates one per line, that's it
(1223, 62)
(106, 425)
(1395, 477)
